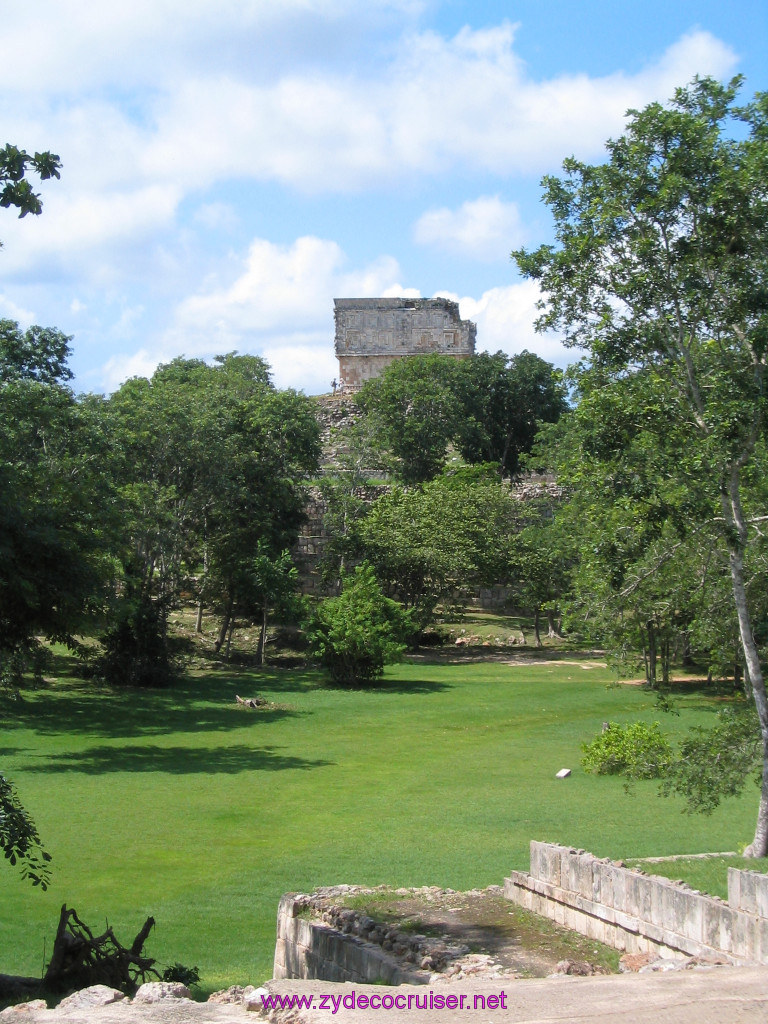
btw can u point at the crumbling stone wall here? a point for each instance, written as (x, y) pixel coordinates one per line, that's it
(343, 947)
(371, 333)
(639, 913)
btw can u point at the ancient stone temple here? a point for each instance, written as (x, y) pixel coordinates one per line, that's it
(371, 333)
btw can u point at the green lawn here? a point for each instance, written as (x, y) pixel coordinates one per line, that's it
(182, 805)
(708, 874)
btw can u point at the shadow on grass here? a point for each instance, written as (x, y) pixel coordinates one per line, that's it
(406, 686)
(176, 760)
(195, 704)
(387, 686)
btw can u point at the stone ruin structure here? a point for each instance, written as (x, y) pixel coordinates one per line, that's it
(371, 333)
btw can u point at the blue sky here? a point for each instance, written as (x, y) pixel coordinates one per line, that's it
(230, 167)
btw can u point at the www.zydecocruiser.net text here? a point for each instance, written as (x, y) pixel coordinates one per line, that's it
(386, 1001)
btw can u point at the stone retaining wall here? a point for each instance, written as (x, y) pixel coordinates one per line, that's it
(632, 911)
(311, 949)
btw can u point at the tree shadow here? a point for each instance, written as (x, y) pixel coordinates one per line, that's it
(406, 686)
(201, 704)
(384, 686)
(175, 760)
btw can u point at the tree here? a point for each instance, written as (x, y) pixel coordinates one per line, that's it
(413, 405)
(489, 406)
(438, 541)
(540, 566)
(503, 402)
(357, 633)
(659, 273)
(54, 561)
(210, 461)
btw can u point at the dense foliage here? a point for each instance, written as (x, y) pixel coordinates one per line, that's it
(659, 274)
(209, 463)
(488, 407)
(435, 542)
(357, 633)
(637, 751)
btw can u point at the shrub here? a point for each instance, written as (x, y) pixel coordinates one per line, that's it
(357, 633)
(189, 976)
(637, 751)
(135, 649)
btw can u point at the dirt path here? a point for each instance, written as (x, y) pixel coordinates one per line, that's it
(497, 937)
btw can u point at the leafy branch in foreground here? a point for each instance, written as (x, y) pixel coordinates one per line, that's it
(19, 839)
(716, 763)
(710, 765)
(15, 163)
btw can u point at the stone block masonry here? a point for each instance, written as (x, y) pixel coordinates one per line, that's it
(307, 948)
(640, 913)
(371, 333)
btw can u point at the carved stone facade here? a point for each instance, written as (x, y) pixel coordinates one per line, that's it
(371, 333)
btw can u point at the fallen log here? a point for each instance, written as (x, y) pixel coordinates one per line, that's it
(251, 702)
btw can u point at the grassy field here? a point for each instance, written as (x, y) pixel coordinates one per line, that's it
(708, 874)
(182, 805)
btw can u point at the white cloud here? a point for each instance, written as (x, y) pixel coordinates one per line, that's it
(68, 45)
(279, 285)
(483, 229)
(309, 367)
(441, 104)
(216, 216)
(82, 225)
(505, 318)
(120, 367)
(279, 305)
(10, 310)
(461, 102)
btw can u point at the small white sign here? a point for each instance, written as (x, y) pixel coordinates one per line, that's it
(563, 773)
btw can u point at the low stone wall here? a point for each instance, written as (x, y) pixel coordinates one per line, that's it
(632, 911)
(312, 949)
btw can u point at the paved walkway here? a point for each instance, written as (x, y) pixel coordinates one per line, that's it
(716, 996)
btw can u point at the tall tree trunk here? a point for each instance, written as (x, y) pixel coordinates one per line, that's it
(687, 658)
(553, 631)
(536, 628)
(199, 622)
(666, 658)
(224, 628)
(650, 672)
(734, 516)
(261, 649)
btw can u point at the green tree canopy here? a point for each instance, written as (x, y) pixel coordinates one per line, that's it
(503, 402)
(54, 559)
(211, 461)
(489, 407)
(413, 405)
(659, 274)
(438, 541)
